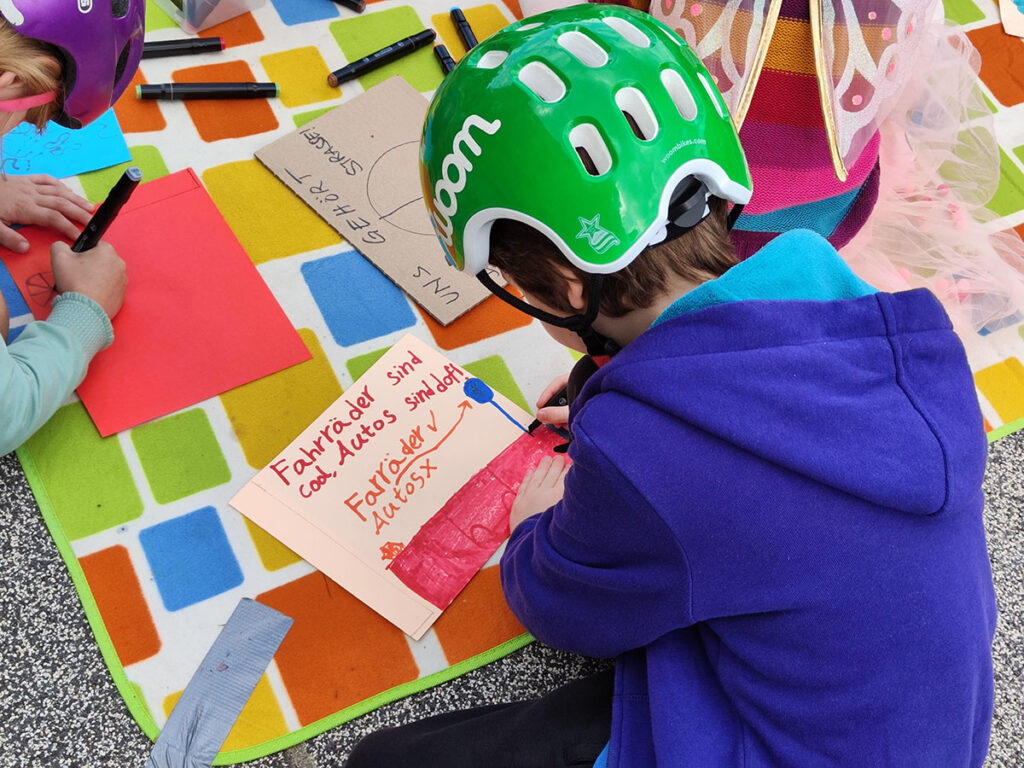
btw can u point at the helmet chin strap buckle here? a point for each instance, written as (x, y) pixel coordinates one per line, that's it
(688, 206)
(598, 346)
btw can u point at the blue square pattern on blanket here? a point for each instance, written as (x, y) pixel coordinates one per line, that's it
(358, 302)
(301, 11)
(191, 558)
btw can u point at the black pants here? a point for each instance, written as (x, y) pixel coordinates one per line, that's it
(568, 727)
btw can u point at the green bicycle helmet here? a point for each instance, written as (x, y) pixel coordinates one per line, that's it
(594, 124)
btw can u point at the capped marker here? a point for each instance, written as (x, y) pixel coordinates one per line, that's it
(380, 58)
(444, 58)
(356, 5)
(462, 27)
(157, 49)
(108, 210)
(561, 397)
(178, 91)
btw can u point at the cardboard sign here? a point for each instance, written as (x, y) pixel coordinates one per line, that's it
(401, 489)
(357, 166)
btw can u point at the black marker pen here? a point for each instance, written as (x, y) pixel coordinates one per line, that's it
(156, 49)
(381, 57)
(444, 59)
(207, 91)
(561, 397)
(462, 27)
(108, 209)
(356, 5)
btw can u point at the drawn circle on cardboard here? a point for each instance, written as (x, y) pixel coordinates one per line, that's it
(388, 182)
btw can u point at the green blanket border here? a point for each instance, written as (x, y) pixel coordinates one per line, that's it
(138, 707)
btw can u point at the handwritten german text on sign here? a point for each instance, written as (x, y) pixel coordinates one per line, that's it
(400, 490)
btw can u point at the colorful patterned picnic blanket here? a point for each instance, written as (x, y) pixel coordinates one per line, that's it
(141, 518)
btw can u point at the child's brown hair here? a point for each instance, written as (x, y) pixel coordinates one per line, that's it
(38, 66)
(531, 261)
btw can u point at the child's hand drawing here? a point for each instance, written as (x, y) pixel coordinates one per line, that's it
(98, 273)
(556, 415)
(540, 489)
(42, 200)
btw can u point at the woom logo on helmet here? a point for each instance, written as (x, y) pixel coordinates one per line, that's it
(457, 162)
(85, 5)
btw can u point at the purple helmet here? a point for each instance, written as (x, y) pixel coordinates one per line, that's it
(100, 43)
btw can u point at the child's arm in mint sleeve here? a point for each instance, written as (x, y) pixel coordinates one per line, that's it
(40, 368)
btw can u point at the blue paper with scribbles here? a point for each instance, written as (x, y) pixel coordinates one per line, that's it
(62, 152)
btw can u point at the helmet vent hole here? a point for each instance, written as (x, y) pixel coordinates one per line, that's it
(712, 94)
(542, 81)
(587, 160)
(119, 8)
(122, 63)
(491, 59)
(638, 114)
(591, 149)
(583, 48)
(628, 31)
(679, 93)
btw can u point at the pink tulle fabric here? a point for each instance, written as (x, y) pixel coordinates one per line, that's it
(939, 167)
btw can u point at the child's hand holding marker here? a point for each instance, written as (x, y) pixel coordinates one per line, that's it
(91, 267)
(553, 405)
(98, 273)
(40, 200)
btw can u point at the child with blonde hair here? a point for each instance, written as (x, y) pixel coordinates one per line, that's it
(59, 63)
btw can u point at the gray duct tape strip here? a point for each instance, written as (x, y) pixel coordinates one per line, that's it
(221, 686)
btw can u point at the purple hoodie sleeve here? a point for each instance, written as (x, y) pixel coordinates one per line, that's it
(599, 573)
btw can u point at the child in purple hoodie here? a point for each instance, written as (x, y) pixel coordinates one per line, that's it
(772, 515)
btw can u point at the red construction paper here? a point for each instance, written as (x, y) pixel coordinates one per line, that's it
(197, 319)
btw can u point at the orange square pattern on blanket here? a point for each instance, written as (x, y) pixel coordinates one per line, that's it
(488, 318)
(338, 652)
(1002, 63)
(119, 597)
(240, 30)
(226, 118)
(136, 115)
(477, 620)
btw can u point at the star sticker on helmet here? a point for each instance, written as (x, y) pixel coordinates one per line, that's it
(600, 239)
